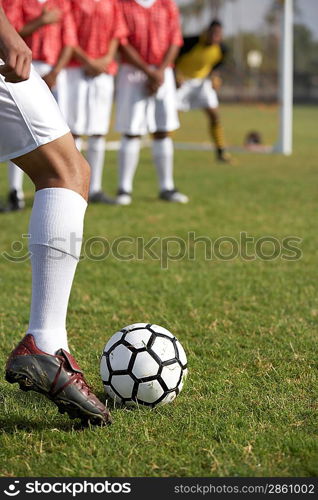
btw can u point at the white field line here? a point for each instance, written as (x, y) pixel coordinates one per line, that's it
(188, 146)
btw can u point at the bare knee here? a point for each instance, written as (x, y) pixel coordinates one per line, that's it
(129, 136)
(160, 135)
(57, 164)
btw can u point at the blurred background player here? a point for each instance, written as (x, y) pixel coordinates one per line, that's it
(33, 133)
(48, 29)
(199, 57)
(86, 95)
(146, 98)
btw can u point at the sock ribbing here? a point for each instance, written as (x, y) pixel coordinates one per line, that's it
(56, 229)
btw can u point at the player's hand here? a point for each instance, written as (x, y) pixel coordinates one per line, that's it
(16, 55)
(50, 79)
(95, 67)
(216, 82)
(50, 16)
(155, 79)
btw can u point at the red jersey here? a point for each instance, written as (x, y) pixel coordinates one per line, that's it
(47, 42)
(152, 30)
(97, 23)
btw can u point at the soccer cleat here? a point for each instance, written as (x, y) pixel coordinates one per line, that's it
(15, 202)
(59, 378)
(174, 196)
(222, 156)
(101, 197)
(123, 198)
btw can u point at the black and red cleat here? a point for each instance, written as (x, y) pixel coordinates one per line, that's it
(59, 378)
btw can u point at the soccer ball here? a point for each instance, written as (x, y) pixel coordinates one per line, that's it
(143, 364)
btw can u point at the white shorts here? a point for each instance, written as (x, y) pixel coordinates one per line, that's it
(29, 117)
(43, 69)
(139, 113)
(197, 93)
(85, 102)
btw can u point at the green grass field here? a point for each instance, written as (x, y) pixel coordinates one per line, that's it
(249, 407)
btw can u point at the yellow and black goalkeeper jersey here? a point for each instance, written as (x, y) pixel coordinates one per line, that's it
(197, 60)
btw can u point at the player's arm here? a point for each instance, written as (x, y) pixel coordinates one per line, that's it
(167, 61)
(47, 17)
(170, 57)
(175, 44)
(215, 73)
(68, 41)
(95, 67)
(134, 58)
(14, 52)
(216, 80)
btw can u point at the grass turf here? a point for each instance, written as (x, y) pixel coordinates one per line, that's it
(249, 407)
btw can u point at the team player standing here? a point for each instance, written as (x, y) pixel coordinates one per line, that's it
(198, 60)
(87, 89)
(146, 100)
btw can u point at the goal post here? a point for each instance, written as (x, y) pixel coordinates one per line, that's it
(285, 144)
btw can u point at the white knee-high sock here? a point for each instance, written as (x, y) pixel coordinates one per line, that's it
(56, 231)
(15, 175)
(163, 157)
(128, 161)
(95, 157)
(78, 143)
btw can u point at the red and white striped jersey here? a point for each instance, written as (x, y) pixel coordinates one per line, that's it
(97, 23)
(152, 29)
(47, 42)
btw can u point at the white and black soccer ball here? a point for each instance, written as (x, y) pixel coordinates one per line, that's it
(143, 364)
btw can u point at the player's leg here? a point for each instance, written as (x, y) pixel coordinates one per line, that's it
(41, 361)
(162, 121)
(129, 153)
(100, 92)
(207, 99)
(43, 147)
(15, 174)
(71, 98)
(16, 194)
(132, 100)
(78, 142)
(96, 146)
(163, 153)
(217, 133)
(61, 177)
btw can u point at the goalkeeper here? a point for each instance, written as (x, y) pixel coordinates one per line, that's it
(197, 82)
